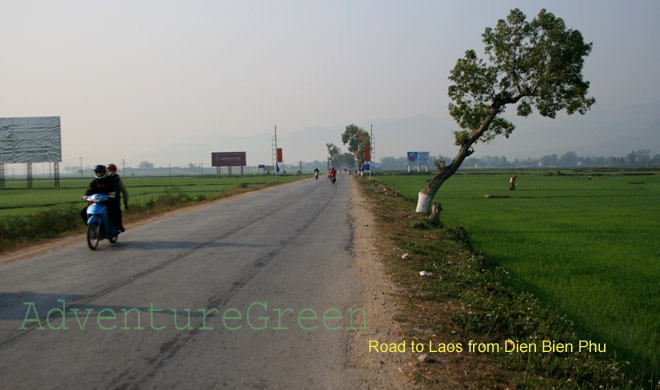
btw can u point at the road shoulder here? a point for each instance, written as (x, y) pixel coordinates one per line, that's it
(378, 370)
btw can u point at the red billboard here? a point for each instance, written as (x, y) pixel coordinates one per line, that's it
(279, 155)
(228, 159)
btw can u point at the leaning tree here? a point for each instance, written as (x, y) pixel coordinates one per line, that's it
(528, 64)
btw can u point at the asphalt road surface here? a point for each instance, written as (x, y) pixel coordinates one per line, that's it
(230, 295)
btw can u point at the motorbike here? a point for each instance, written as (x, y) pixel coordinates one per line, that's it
(99, 225)
(333, 178)
(316, 175)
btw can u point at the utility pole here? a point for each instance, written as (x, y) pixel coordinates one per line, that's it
(277, 173)
(81, 168)
(371, 151)
(123, 167)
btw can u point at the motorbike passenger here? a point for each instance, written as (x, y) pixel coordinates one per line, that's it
(112, 173)
(102, 184)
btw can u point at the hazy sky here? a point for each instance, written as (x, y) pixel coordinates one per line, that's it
(130, 76)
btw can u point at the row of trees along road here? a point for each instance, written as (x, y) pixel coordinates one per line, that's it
(532, 64)
(357, 139)
(339, 159)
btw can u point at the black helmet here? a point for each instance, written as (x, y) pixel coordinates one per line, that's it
(100, 168)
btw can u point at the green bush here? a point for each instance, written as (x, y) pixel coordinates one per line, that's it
(173, 196)
(46, 224)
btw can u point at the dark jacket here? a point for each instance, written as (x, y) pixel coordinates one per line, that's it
(121, 189)
(104, 185)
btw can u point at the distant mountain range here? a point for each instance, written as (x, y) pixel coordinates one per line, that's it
(600, 132)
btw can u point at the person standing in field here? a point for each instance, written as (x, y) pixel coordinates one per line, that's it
(512, 181)
(121, 190)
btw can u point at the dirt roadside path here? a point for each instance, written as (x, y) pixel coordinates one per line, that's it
(378, 370)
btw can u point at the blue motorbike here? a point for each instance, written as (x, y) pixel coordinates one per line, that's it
(99, 226)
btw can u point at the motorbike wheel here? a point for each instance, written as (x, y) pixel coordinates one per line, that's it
(93, 235)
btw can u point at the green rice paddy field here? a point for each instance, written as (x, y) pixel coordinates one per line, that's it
(16, 200)
(590, 248)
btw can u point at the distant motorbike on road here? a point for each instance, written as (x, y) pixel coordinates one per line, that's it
(99, 226)
(316, 175)
(332, 175)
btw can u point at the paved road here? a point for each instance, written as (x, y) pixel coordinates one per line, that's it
(267, 256)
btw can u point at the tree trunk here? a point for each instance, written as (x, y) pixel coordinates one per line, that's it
(426, 195)
(435, 214)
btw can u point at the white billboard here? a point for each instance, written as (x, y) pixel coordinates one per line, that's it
(30, 139)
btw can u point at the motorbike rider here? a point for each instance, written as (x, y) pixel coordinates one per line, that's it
(333, 173)
(112, 173)
(316, 173)
(102, 184)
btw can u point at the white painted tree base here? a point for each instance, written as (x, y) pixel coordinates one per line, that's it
(423, 202)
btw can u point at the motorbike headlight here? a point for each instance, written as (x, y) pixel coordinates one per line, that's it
(95, 198)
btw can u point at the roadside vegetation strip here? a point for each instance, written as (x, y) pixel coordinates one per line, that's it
(16, 200)
(468, 297)
(35, 223)
(587, 247)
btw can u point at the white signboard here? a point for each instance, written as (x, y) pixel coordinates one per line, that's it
(423, 158)
(31, 139)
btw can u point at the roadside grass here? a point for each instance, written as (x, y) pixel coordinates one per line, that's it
(50, 223)
(16, 200)
(588, 247)
(503, 295)
(28, 216)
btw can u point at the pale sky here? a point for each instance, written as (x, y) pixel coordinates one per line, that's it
(134, 76)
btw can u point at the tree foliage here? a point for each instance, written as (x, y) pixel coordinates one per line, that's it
(345, 160)
(357, 139)
(536, 65)
(339, 159)
(333, 151)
